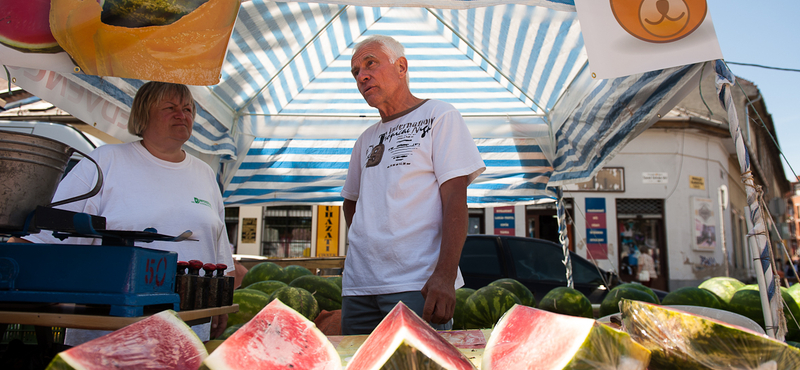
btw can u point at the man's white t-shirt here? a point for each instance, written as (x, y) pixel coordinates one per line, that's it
(141, 191)
(395, 172)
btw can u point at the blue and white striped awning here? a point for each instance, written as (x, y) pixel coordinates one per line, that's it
(285, 115)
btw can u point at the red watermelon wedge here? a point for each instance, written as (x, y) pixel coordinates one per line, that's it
(530, 338)
(161, 341)
(276, 338)
(403, 341)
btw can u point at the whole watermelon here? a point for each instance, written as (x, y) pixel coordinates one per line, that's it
(487, 305)
(521, 291)
(723, 287)
(292, 272)
(610, 304)
(567, 301)
(336, 279)
(262, 272)
(326, 292)
(250, 302)
(299, 300)
(267, 286)
(460, 314)
(747, 302)
(641, 287)
(691, 296)
(229, 331)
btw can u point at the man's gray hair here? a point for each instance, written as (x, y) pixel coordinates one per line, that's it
(390, 46)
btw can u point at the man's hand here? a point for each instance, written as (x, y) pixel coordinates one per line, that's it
(440, 300)
(218, 324)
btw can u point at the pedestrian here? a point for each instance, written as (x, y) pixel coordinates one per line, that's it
(405, 197)
(647, 267)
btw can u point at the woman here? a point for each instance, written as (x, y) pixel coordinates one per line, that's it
(154, 183)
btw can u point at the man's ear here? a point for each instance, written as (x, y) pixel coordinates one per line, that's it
(402, 66)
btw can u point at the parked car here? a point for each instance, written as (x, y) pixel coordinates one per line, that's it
(536, 263)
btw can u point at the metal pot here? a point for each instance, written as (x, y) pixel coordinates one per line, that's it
(30, 169)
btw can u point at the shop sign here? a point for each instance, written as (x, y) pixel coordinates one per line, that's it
(327, 231)
(654, 178)
(596, 231)
(504, 221)
(249, 230)
(704, 228)
(698, 183)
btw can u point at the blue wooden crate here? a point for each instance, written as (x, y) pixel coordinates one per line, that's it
(127, 278)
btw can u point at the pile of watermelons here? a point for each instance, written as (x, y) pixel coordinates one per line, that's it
(295, 286)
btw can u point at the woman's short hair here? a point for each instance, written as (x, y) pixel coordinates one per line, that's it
(150, 94)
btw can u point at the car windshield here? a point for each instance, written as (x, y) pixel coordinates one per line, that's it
(540, 261)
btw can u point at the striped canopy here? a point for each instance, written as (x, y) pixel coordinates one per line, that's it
(284, 118)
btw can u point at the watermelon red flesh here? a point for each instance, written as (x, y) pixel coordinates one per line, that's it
(161, 341)
(403, 326)
(276, 338)
(510, 343)
(26, 24)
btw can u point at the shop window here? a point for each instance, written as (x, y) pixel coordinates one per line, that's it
(640, 224)
(476, 217)
(287, 231)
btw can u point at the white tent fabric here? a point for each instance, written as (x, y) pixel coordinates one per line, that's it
(286, 113)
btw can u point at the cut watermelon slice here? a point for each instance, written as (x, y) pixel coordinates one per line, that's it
(403, 341)
(276, 338)
(682, 340)
(161, 341)
(530, 338)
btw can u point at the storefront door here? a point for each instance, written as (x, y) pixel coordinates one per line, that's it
(640, 223)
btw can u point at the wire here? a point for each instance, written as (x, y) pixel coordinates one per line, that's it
(763, 66)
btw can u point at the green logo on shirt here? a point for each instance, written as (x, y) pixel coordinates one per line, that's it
(203, 202)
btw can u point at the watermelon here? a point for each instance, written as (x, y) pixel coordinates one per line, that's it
(531, 338)
(229, 331)
(641, 287)
(336, 279)
(292, 272)
(250, 302)
(487, 305)
(261, 272)
(460, 313)
(403, 341)
(326, 292)
(747, 302)
(267, 286)
(610, 304)
(299, 300)
(691, 296)
(567, 301)
(723, 287)
(278, 337)
(680, 340)
(521, 291)
(161, 341)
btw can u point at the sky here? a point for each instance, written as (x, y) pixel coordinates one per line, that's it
(767, 33)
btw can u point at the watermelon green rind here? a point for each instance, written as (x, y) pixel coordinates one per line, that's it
(691, 296)
(527, 335)
(277, 337)
(723, 287)
(292, 272)
(336, 279)
(250, 302)
(681, 340)
(267, 286)
(610, 304)
(460, 313)
(299, 300)
(327, 304)
(229, 331)
(521, 291)
(641, 287)
(261, 272)
(319, 286)
(164, 332)
(747, 302)
(567, 301)
(487, 305)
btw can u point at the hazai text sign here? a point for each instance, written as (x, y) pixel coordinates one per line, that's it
(327, 231)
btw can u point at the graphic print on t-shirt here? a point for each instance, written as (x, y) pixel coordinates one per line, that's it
(402, 140)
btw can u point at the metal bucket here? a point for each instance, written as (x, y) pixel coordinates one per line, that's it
(30, 169)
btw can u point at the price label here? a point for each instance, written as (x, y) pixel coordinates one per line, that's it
(156, 271)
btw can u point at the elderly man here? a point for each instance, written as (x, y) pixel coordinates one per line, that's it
(405, 197)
